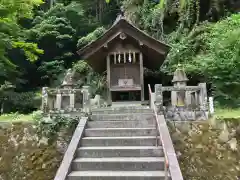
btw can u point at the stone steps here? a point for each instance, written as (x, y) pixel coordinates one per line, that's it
(120, 151)
(119, 146)
(122, 124)
(118, 164)
(108, 132)
(119, 141)
(116, 175)
(121, 110)
(122, 116)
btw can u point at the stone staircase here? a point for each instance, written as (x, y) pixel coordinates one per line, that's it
(119, 144)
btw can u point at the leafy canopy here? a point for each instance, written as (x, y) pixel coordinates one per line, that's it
(211, 51)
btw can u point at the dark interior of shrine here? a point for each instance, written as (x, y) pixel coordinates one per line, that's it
(149, 78)
(126, 96)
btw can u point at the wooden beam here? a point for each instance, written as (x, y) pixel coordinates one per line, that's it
(109, 81)
(141, 76)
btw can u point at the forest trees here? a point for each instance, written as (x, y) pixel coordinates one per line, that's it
(12, 35)
(211, 51)
(13, 38)
(49, 37)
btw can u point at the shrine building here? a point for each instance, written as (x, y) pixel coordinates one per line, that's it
(123, 51)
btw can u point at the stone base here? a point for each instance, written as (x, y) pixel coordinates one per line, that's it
(181, 114)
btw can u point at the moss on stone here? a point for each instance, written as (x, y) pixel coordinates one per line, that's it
(23, 157)
(202, 156)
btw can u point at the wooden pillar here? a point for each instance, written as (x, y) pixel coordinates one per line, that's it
(141, 77)
(109, 95)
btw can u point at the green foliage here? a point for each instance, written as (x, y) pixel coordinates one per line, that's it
(207, 50)
(82, 68)
(56, 32)
(86, 76)
(52, 71)
(91, 37)
(50, 127)
(31, 50)
(24, 102)
(56, 37)
(12, 35)
(75, 14)
(211, 51)
(160, 18)
(13, 39)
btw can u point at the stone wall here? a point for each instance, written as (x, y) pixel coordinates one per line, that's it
(24, 155)
(208, 150)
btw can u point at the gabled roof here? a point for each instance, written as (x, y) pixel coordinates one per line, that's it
(150, 45)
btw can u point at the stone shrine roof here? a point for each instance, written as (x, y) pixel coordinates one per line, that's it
(95, 53)
(179, 75)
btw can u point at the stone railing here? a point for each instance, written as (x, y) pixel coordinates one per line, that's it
(69, 155)
(184, 96)
(66, 100)
(172, 167)
(187, 102)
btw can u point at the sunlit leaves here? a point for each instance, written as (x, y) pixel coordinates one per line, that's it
(90, 37)
(30, 49)
(211, 51)
(12, 35)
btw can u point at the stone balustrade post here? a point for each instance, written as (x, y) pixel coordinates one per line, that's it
(188, 98)
(58, 103)
(72, 100)
(203, 96)
(174, 98)
(86, 99)
(158, 97)
(196, 98)
(45, 99)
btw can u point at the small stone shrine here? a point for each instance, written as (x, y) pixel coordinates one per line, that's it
(187, 102)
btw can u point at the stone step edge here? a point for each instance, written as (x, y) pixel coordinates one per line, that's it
(121, 148)
(124, 120)
(122, 137)
(119, 160)
(107, 129)
(124, 114)
(117, 173)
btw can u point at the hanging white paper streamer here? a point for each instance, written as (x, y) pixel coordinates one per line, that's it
(119, 58)
(130, 57)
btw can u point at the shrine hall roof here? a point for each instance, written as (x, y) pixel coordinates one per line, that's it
(154, 50)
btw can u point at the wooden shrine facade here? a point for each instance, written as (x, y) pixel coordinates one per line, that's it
(123, 52)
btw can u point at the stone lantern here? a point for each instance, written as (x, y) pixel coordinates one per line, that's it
(179, 80)
(68, 80)
(179, 77)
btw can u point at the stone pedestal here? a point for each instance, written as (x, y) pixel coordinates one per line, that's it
(72, 101)
(174, 98)
(159, 97)
(203, 96)
(86, 99)
(44, 99)
(58, 101)
(188, 98)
